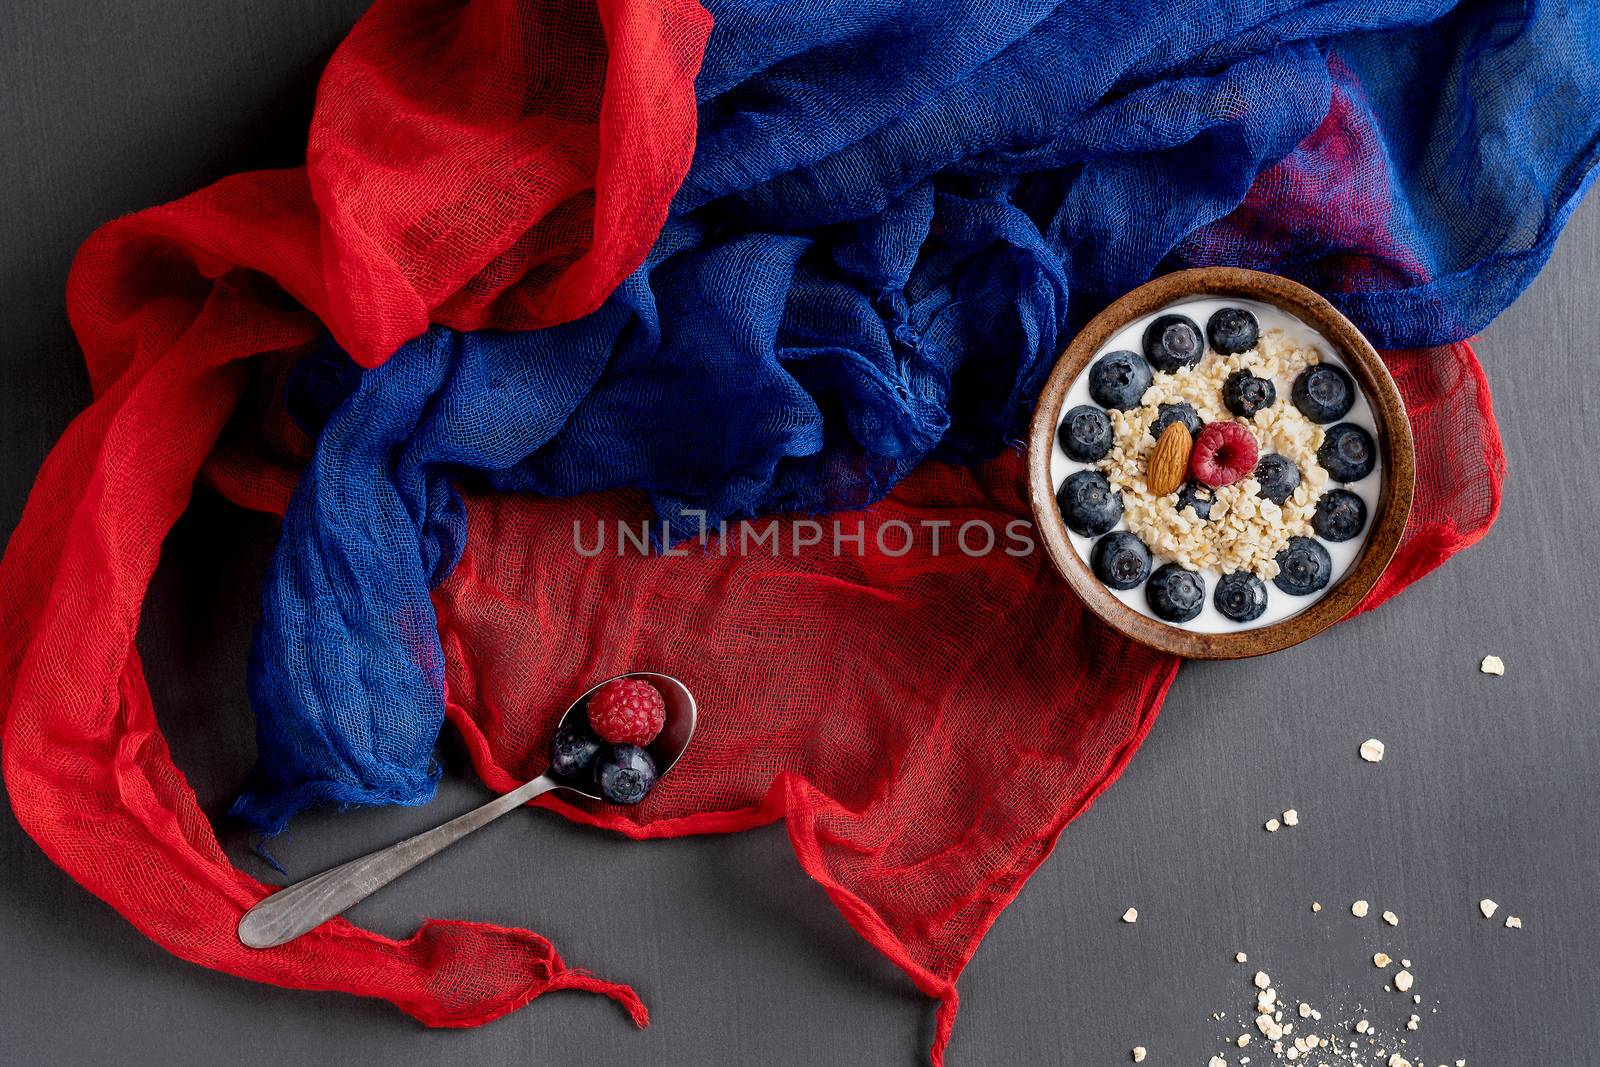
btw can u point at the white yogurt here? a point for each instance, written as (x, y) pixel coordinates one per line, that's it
(1280, 605)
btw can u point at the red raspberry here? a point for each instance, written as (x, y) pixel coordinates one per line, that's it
(628, 711)
(1223, 453)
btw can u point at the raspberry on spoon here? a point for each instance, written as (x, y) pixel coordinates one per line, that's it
(628, 711)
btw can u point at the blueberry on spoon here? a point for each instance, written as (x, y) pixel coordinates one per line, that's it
(626, 774)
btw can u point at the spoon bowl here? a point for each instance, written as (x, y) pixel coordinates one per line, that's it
(306, 905)
(669, 745)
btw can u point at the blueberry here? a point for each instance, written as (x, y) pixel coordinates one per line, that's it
(1348, 453)
(1175, 594)
(1340, 515)
(1241, 596)
(1085, 433)
(1167, 414)
(1194, 495)
(1303, 567)
(1088, 505)
(1278, 475)
(1244, 394)
(1173, 341)
(1323, 392)
(1119, 379)
(626, 774)
(573, 752)
(1120, 560)
(1232, 330)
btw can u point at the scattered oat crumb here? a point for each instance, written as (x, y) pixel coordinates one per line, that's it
(1305, 1010)
(1372, 750)
(1391, 918)
(1218, 1061)
(1398, 1060)
(1316, 905)
(1240, 957)
(1359, 909)
(1138, 1054)
(1405, 963)
(1262, 980)
(1291, 818)
(1361, 1027)
(1488, 907)
(1513, 923)
(1402, 981)
(1131, 915)
(1272, 826)
(1492, 665)
(1413, 1022)
(1381, 959)
(1243, 1040)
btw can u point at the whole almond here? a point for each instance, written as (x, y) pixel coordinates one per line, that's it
(1170, 460)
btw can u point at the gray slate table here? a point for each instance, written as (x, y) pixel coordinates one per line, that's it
(1487, 790)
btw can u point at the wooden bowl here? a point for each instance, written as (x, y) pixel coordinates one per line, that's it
(1397, 458)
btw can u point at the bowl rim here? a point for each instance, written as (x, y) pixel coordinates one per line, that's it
(1397, 455)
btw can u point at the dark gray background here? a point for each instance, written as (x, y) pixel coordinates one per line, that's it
(1487, 789)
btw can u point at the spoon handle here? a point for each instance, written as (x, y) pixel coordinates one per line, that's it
(304, 906)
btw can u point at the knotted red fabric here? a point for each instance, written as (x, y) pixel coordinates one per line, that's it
(925, 724)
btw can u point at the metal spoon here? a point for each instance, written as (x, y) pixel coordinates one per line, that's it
(304, 906)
